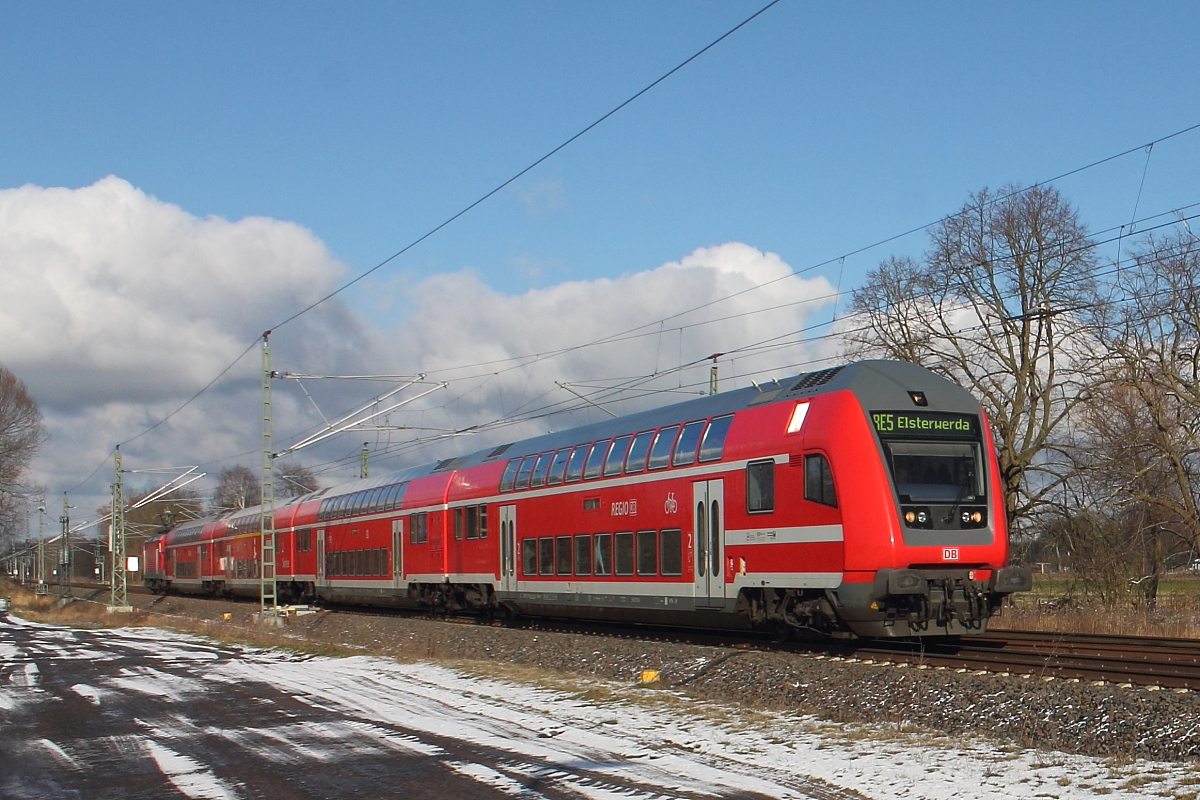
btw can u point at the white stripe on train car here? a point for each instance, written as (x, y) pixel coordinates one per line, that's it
(801, 534)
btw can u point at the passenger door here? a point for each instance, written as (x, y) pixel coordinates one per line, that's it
(508, 548)
(321, 578)
(398, 553)
(708, 538)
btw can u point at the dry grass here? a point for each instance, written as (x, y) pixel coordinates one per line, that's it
(1049, 608)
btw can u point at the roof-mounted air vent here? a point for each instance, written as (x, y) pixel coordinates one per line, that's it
(812, 380)
(450, 463)
(498, 451)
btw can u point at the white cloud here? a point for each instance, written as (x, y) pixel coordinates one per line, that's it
(118, 307)
(456, 320)
(113, 295)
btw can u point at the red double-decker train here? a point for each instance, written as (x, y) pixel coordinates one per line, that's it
(859, 500)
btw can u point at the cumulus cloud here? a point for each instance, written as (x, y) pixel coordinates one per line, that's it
(504, 352)
(118, 307)
(111, 294)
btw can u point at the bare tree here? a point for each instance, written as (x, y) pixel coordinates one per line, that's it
(237, 487)
(1155, 377)
(21, 435)
(293, 479)
(1004, 302)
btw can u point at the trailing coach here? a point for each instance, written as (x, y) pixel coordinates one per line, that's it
(860, 500)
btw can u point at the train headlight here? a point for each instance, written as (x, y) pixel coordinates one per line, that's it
(917, 516)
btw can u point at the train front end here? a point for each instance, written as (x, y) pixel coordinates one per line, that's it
(926, 541)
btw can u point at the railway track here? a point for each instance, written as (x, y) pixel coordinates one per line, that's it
(1160, 662)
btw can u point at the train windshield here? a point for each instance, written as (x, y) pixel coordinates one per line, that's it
(936, 472)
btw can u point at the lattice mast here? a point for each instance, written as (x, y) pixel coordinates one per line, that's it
(118, 595)
(269, 594)
(64, 577)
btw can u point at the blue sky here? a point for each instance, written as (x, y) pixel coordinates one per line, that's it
(812, 132)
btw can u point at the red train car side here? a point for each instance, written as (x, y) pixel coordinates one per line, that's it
(859, 500)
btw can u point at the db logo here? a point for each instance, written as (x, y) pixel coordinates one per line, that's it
(949, 554)
(671, 505)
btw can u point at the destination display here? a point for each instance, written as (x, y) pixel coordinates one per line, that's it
(925, 425)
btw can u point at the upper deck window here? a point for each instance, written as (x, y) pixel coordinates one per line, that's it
(539, 470)
(510, 475)
(525, 471)
(714, 438)
(636, 460)
(616, 456)
(685, 448)
(596, 459)
(660, 453)
(575, 465)
(557, 467)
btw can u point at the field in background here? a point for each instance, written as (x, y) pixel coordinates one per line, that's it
(1061, 602)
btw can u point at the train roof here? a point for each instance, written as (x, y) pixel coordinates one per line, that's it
(877, 384)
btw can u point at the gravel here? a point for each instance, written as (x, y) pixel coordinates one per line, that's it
(1081, 717)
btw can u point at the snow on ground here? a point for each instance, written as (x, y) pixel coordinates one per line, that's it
(658, 738)
(677, 741)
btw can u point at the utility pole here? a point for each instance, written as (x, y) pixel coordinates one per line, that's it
(712, 373)
(118, 597)
(42, 588)
(64, 578)
(268, 596)
(364, 462)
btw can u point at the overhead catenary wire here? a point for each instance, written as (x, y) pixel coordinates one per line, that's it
(1148, 146)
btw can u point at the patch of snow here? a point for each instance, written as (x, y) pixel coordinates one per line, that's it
(192, 779)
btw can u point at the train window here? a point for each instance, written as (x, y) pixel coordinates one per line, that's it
(525, 471)
(378, 499)
(685, 448)
(322, 510)
(760, 486)
(546, 555)
(670, 552)
(714, 438)
(417, 534)
(660, 453)
(482, 521)
(583, 554)
(471, 521)
(818, 480)
(603, 554)
(458, 522)
(562, 555)
(529, 557)
(616, 456)
(595, 459)
(510, 475)
(392, 499)
(360, 502)
(623, 553)
(558, 466)
(636, 460)
(373, 500)
(344, 506)
(539, 470)
(304, 540)
(647, 552)
(575, 465)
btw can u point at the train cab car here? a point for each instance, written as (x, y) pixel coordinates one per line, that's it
(860, 500)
